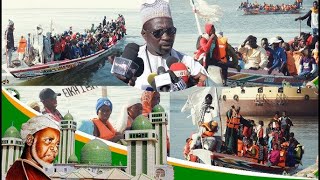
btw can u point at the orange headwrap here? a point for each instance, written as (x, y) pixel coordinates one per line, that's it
(146, 99)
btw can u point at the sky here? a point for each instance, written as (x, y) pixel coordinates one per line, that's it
(116, 4)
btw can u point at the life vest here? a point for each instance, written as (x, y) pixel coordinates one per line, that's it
(222, 43)
(104, 131)
(22, 45)
(189, 156)
(283, 154)
(57, 48)
(247, 131)
(233, 122)
(208, 132)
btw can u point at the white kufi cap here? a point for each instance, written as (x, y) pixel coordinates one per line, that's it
(36, 124)
(159, 8)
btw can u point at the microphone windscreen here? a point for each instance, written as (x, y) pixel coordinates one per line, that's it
(131, 51)
(180, 70)
(161, 70)
(151, 77)
(140, 63)
(170, 60)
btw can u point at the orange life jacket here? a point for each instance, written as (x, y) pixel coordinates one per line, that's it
(106, 131)
(22, 45)
(186, 152)
(233, 122)
(208, 132)
(222, 42)
(283, 154)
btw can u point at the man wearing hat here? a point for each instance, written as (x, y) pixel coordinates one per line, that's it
(49, 100)
(279, 57)
(41, 135)
(102, 126)
(159, 33)
(9, 43)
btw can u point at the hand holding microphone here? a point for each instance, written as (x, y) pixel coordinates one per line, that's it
(129, 65)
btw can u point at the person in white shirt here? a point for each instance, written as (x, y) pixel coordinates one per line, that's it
(159, 33)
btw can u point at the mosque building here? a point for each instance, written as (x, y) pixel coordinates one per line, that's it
(146, 158)
(12, 147)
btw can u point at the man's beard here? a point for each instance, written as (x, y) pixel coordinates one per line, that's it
(36, 157)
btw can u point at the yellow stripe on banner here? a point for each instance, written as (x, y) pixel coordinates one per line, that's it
(118, 151)
(189, 166)
(238, 76)
(81, 138)
(18, 106)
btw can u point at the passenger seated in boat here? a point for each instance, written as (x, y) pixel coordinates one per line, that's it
(269, 51)
(207, 131)
(274, 156)
(191, 143)
(291, 66)
(279, 57)
(308, 66)
(255, 57)
(102, 126)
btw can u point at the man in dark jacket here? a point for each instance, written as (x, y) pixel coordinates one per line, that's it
(9, 43)
(312, 16)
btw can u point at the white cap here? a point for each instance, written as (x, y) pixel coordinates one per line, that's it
(36, 124)
(274, 40)
(158, 8)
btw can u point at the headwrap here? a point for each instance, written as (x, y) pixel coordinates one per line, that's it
(103, 101)
(146, 99)
(121, 124)
(158, 8)
(38, 123)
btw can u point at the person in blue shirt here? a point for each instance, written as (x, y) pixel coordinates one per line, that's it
(279, 57)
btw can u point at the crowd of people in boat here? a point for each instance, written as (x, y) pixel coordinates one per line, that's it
(297, 57)
(38, 48)
(274, 145)
(271, 7)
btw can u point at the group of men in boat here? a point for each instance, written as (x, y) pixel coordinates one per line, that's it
(244, 138)
(38, 48)
(271, 7)
(297, 57)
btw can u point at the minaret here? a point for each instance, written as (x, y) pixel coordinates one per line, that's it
(158, 119)
(12, 147)
(67, 141)
(141, 147)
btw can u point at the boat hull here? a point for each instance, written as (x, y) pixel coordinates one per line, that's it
(257, 11)
(260, 77)
(242, 163)
(264, 101)
(55, 66)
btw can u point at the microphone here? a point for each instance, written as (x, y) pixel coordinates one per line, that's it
(180, 70)
(163, 80)
(170, 60)
(151, 80)
(129, 64)
(178, 83)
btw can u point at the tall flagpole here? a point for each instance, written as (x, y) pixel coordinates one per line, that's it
(196, 16)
